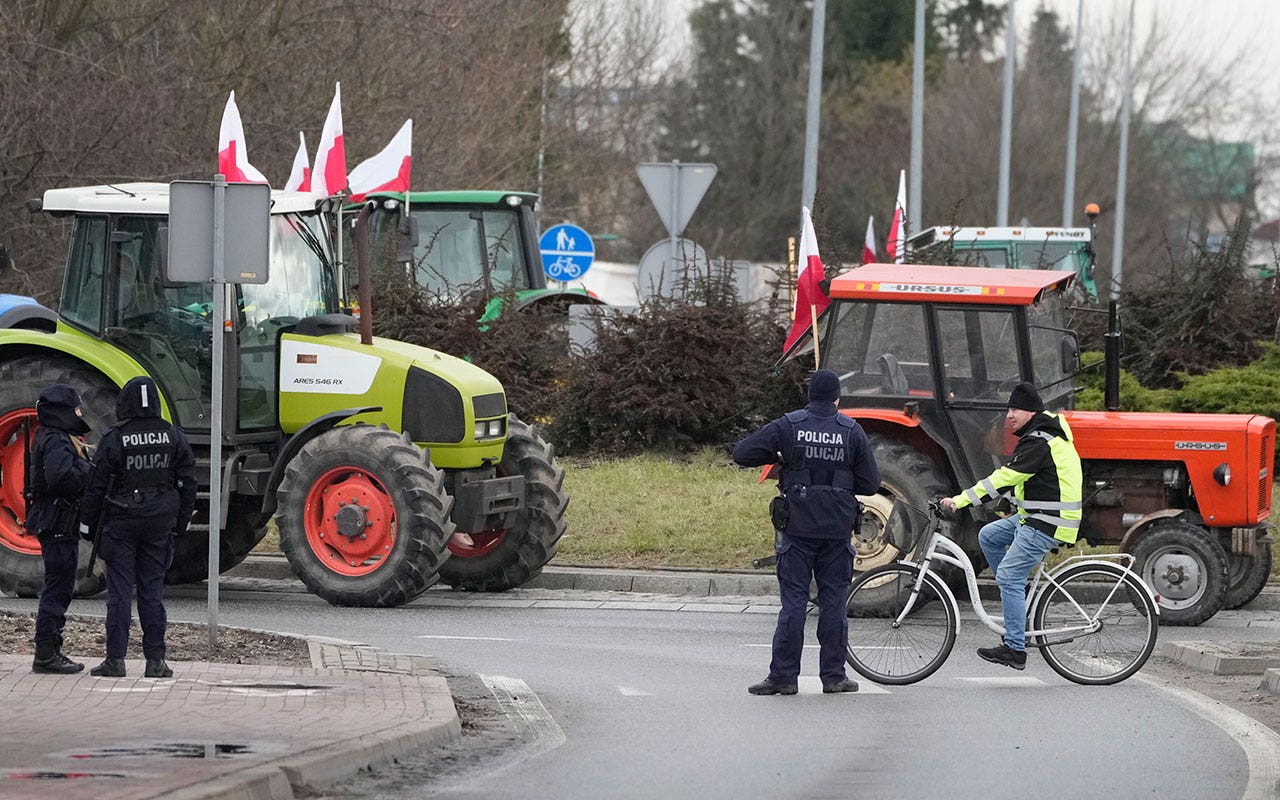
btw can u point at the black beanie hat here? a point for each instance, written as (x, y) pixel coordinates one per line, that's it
(824, 386)
(1025, 397)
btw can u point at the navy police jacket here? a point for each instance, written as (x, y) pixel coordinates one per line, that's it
(58, 471)
(826, 460)
(143, 471)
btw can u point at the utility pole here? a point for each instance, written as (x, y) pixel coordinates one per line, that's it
(1073, 125)
(809, 184)
(1006, 116)
(1117, 247)
(914, 199)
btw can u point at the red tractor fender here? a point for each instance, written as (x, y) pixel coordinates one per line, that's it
(1134, 530)
(862, 416)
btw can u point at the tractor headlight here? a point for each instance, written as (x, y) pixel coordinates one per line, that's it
(491, 429)
(1222, 473)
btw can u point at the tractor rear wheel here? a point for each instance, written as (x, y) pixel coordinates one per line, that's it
(21, 381)
(1246, 575)
(909, 476)
(1186, 566)
(364, 517)
(498, 560)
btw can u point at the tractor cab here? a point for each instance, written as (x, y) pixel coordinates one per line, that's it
(940, 348)
(114, 290)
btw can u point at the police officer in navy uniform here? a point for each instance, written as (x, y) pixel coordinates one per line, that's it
(826, 460)
(59, 467)
(143, 488)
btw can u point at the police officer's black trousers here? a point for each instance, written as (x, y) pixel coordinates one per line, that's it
(136, 556)
(59, 584)
(830, 563)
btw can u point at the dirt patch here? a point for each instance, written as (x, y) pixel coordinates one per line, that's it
(85, 639)
(1241, 692)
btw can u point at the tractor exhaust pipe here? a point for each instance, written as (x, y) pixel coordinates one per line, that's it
(363, 278)
(1111, 360)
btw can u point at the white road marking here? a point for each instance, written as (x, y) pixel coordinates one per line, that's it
(1005, 680)
(1260, 744)
(811, 684)
(465, 638)
(627, 691)
(524, 709)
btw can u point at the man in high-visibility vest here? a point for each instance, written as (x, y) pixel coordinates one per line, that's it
(1044, 473)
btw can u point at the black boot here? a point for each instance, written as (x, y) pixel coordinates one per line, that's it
(109, 668)
(50, 661)
(66, 662)
(156, 668)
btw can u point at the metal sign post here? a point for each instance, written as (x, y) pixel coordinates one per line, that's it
(200, 217)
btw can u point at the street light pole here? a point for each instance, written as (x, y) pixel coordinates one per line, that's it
(1117, 247)
(1006, 117)
(1073, 124)
(914, 199)
(809, 184)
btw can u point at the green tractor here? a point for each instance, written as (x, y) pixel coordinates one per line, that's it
(462, 244)
(387, 466)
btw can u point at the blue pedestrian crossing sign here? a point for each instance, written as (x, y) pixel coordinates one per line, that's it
(567, 252)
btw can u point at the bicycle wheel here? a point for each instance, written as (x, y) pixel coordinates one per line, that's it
(1110, 595)
(883, 650)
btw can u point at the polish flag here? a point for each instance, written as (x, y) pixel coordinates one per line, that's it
(300, 175)
(869, 245)
(233, 154)
(388, 171)
(329, 173)
(895, 247)
(810, 299)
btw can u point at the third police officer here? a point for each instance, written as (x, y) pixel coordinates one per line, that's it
(826, 459)
(141, 491)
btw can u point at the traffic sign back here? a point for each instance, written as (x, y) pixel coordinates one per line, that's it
(676, 189)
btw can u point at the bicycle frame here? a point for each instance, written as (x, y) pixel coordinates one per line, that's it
(942, 549)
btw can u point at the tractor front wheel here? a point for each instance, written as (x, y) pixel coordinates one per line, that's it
(498, 560)
(1186, 566)
(364, 517)
(21, 381)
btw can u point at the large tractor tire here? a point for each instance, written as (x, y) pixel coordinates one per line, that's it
(1246, 575)
(21, 381)
(909, 476)
(364, 517)
(1186, 566)
(498, 560)
(243, 528)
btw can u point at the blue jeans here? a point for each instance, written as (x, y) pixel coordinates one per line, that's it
(1027, 547)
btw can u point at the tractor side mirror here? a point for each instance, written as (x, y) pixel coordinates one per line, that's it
(162, 256)
(407, 238)
(1070, 349)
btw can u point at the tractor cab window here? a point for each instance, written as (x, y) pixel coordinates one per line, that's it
(995, 258)
(166, 329)
(979, 352)
(879, 349)
(86, 270)
(1048, 255)
(1049, 338)
(461, 251)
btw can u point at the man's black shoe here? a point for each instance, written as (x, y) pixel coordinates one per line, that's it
(768, 686)
(846, 685)
(1004, 654)
(156, 668)
(109, 668)
(49, 660)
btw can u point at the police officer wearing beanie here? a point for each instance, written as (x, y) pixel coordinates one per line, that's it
(826, 459)
(1044, 473)
(59, 468)
(144, 479)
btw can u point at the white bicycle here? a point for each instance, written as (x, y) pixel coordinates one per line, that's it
(1092, 617)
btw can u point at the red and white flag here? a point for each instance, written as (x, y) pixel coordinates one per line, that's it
(300, 175)
(329, 173)
(895, 247)
(869, 245)
(810, 299)
(233, 154)
(388, 171)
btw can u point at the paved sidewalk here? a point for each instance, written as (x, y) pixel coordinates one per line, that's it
(231, 732)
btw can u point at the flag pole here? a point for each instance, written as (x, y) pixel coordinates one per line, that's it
(813, 315)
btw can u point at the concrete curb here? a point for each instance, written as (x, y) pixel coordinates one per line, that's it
(1222, 658)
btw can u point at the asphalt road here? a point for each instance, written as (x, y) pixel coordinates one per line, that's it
(646, 703)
